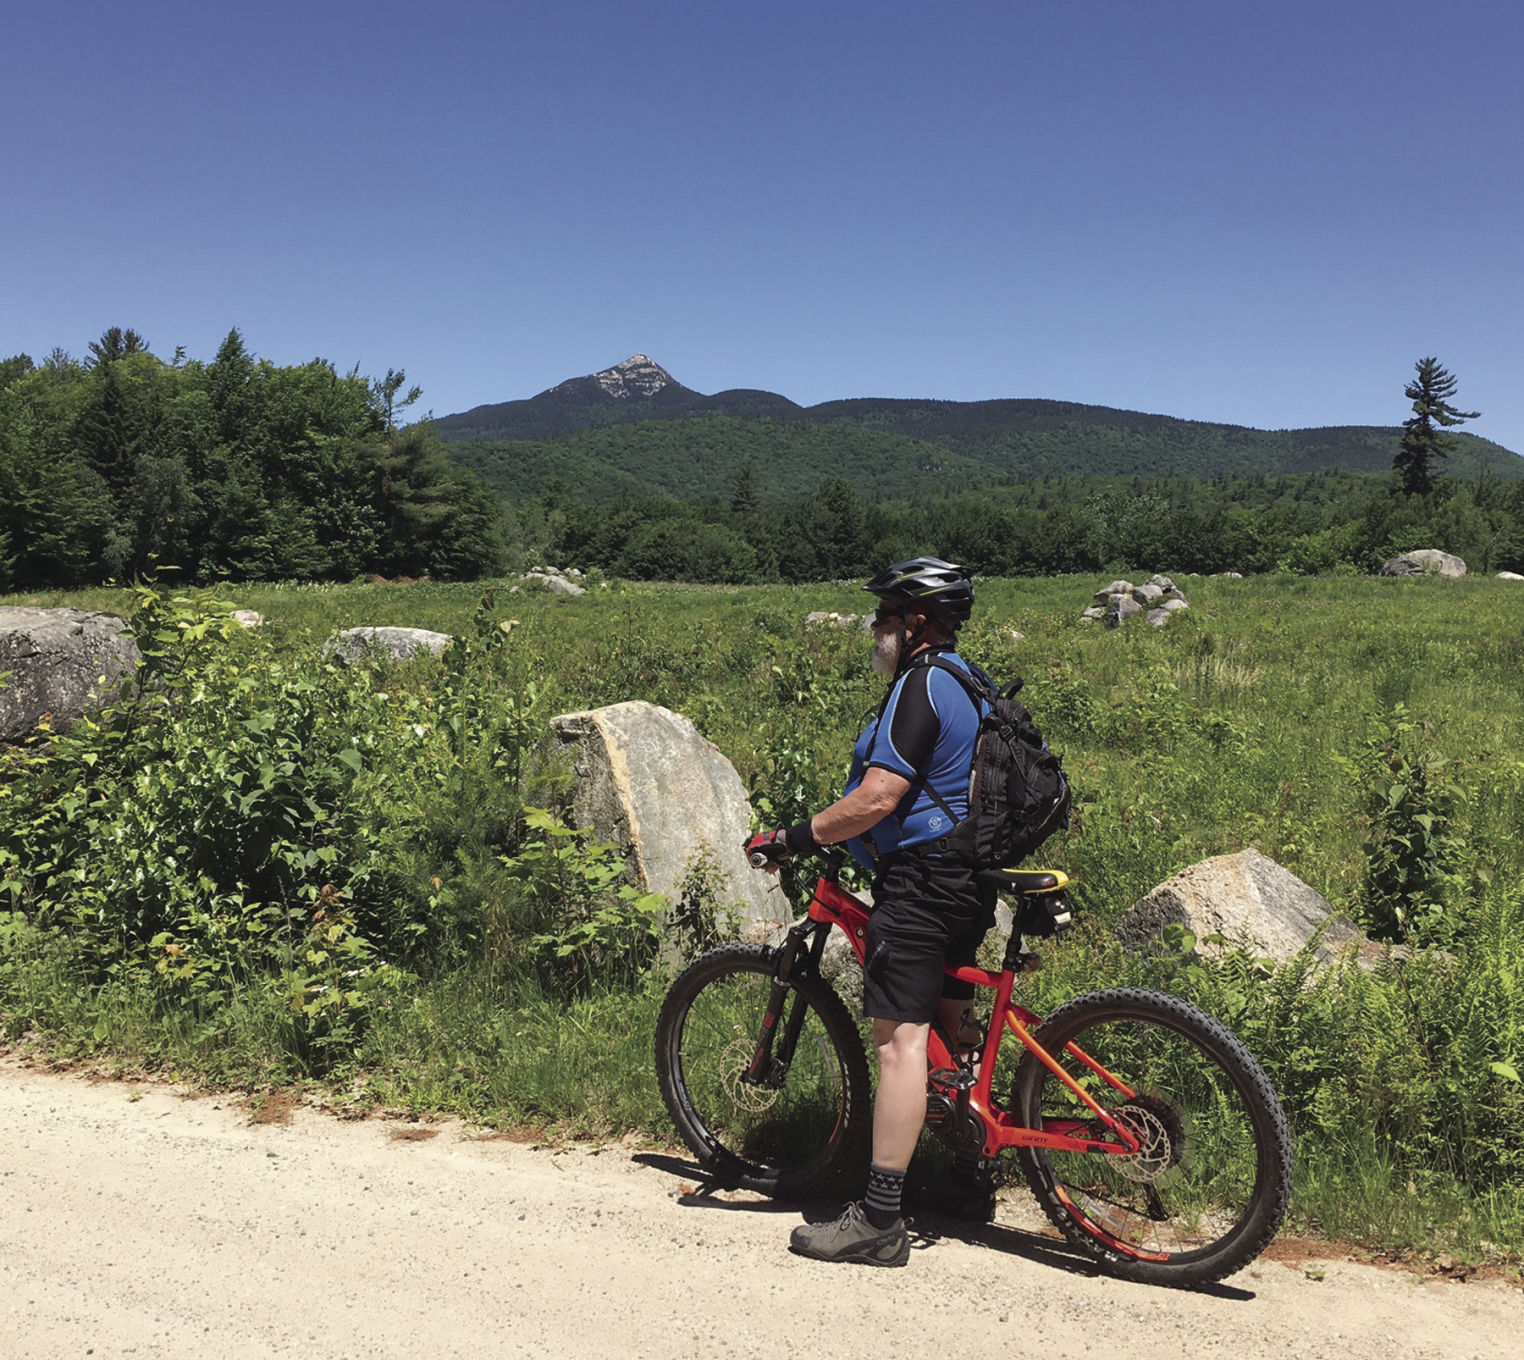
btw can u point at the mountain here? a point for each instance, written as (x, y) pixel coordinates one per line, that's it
(637, 389)
(635, 430)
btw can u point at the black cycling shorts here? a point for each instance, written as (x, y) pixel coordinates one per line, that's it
(927, 912)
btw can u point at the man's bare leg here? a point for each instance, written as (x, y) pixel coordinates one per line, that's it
(899, 1109)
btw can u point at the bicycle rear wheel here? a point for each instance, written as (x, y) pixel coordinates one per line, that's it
(1209, 1186)
(791, 1136)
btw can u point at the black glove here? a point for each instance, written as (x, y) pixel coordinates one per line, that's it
(773, 847)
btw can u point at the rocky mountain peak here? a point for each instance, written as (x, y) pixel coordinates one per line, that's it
(637, 376)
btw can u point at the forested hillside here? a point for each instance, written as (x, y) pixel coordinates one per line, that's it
(234, 468)
(633, 428)
(702, 456)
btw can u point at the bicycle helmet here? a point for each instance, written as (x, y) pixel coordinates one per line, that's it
(943, 589)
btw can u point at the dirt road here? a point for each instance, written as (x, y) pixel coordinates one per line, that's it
(137, 1221)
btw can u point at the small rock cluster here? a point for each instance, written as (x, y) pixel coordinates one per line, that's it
(1118, 602)
(823, 619)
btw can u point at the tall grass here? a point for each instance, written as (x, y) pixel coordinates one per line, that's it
(1255, 718)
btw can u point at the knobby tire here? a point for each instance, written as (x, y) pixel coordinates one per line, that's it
(1208, 1188)
(788, 1140)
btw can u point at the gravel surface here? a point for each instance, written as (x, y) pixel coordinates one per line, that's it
(137, 1220)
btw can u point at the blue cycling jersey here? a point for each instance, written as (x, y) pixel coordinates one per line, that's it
(925, 732)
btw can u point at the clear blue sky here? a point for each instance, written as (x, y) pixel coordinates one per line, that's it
(1261, 214)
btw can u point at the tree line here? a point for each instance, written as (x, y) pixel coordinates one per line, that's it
(236, 468)
(122, 462)
(1309, 524)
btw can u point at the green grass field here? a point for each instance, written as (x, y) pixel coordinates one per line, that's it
(1366, 734)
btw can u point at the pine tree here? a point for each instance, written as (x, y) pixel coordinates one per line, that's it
(385, 392)
(1423, 435)
(743, 498)
(116, 344)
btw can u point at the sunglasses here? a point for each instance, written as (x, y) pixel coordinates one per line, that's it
(883, 616)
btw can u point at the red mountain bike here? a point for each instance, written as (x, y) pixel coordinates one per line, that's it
(1150, 1136)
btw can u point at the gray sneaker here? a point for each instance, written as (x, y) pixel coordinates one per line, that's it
(852, 1238)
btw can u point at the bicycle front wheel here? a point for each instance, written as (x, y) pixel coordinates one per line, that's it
(1209, 1185)
(791, 1135)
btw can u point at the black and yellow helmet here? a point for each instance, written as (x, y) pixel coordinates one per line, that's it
(943, 589)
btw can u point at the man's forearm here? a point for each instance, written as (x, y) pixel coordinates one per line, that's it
(865, 807)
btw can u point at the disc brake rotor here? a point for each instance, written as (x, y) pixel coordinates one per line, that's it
(1157, 1126)
(734, 1061)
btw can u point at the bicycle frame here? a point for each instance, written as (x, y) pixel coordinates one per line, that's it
(832, 905)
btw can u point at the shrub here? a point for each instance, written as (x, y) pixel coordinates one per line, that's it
(1414, 848)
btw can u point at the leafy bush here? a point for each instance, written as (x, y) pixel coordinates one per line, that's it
(588, 927)
(1415, 852)
(237, 820)
(702, 917)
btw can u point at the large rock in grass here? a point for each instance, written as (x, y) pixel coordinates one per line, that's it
(1252, 902)
(396, 644)
(1424, 562)
(62, 664)
(1120, 609)
(554, 582)
(649, 783)
(1104, 594)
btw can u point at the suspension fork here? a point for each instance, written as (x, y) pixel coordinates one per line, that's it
(801, 953)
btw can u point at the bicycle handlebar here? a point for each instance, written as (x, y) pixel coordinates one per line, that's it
(833, 855)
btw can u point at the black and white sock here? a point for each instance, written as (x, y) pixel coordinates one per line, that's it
(881, 1205)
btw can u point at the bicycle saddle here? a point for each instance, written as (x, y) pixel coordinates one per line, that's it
(1024, 881)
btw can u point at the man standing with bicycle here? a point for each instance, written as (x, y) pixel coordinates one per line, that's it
(907, 788)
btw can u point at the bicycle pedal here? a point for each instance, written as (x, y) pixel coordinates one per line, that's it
(953, 1078)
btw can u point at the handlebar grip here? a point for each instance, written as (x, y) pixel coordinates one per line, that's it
(758, 860)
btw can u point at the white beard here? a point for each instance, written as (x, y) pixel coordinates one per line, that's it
(886, 652)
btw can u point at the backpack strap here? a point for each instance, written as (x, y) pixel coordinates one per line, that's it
(971, 683)
(979, 687)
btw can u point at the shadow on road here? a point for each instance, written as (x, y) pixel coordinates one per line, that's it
(705, 1191)
(927, 1227)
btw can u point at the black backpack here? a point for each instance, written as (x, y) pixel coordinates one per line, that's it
(1017, 793)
